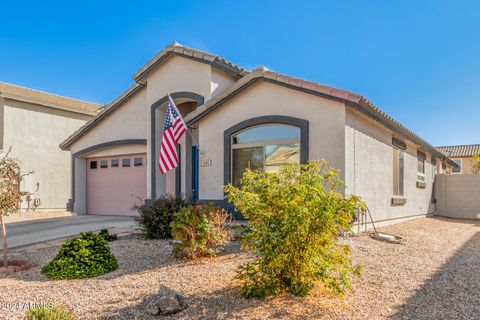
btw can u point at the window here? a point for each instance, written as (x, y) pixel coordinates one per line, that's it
(114, 163)
(421, 170)
(125, 162)
(103, 164)
(264, 148)
(398, 172)
(458, 167)
(93, 164)
(138, 162)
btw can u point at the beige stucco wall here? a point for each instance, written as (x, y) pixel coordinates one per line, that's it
(175, 75)
(128, 122)
(326, 121)
(369, 170)
(132, 120)
(34, 132)
(220, 81)
(467, 165)
(458, 195)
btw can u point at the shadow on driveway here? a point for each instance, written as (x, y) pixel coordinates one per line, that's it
(36, 231)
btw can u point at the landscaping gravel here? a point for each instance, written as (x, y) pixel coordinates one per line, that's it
(435, 275)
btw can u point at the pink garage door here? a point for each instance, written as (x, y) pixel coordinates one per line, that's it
(115, 184)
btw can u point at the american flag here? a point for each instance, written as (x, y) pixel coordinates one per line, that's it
(174, 128)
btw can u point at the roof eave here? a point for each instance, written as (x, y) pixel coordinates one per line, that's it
(203, 57)
(350, 99)
(107, 109)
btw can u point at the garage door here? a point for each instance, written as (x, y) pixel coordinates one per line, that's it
(115, 184)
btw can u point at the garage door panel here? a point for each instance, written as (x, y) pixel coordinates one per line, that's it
(115, 190)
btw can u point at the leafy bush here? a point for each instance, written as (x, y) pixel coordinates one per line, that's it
(295, 217)
(107, 236)
(201, 230)
(155, 218)
(85, 256)
(476, 162)
(46, 313)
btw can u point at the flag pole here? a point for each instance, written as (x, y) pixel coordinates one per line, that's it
(188, 129)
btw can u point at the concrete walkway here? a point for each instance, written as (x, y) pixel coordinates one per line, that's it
(35, 231)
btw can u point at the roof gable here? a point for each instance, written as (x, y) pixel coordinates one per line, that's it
(177, 49)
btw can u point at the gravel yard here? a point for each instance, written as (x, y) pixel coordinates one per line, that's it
(436, 275)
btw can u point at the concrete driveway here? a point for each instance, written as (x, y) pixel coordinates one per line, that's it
(35, 231)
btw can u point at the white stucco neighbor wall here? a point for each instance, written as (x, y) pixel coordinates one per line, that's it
(34, 132)
(326, 128)
(369, 170)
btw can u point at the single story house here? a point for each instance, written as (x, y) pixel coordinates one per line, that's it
(462, 156)
(32, 124)
(242, 119)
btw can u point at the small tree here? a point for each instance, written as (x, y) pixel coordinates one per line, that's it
(10, 194)
(476, 162)
(295, 217)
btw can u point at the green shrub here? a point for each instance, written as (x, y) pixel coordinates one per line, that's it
(107, 236)
(85, 256)
(155, 218)
(200, 229)
(45, 313)
(295, 217)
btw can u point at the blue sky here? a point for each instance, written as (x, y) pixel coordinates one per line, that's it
(419, 61)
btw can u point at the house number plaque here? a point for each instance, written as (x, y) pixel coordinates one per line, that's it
(206, 163)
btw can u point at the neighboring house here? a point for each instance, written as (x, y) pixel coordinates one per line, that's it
(258, 120)
(462, 156)
(32, 124)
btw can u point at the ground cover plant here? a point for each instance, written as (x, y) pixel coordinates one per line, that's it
(85, 256)
(49, 313)
(295, 217)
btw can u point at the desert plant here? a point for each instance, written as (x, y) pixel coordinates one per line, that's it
(154, 218)
(295, 217)
(10, 194)
(47, 313)
(107, 236)
(201, 230)
(85, 256)
(476, 162)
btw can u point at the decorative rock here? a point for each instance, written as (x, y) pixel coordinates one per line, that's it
(167, 301)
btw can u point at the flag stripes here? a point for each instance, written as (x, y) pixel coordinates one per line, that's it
(174, 129)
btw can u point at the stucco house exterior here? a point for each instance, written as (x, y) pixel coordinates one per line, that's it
(32, 124)
(240, 119)
(462, 155)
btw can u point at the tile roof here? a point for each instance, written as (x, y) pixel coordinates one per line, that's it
(177, 49)
(14, 92)
(460, 151)
(353, 100)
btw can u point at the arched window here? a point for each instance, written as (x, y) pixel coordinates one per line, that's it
(265, 148)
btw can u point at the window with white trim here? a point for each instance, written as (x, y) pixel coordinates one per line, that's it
(458, 167)
(420, 169)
